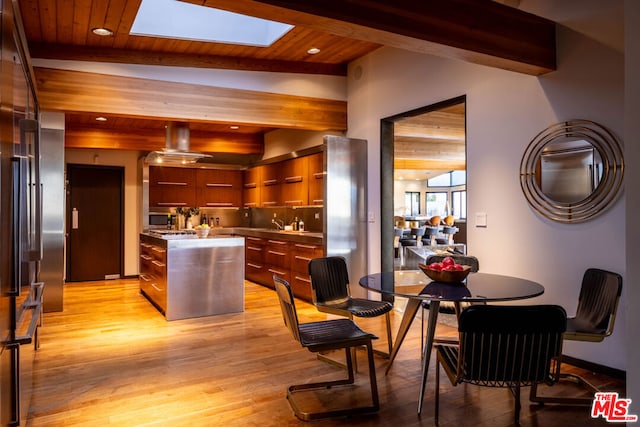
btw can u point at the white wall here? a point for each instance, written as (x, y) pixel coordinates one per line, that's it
(505, 111)
(132, 194)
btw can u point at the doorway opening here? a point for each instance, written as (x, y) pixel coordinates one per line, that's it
(420, 150)
(95, 222)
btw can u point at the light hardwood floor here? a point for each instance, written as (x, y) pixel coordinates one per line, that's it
(111, 359)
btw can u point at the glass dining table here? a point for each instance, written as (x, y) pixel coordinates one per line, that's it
(417, 287)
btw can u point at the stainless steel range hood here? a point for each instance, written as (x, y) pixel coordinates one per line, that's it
(176, 151)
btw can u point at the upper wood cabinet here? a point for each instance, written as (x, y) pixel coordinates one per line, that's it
(218, 188)
(270, 193)
(294, 178)
(252, 186)
(172, 187)
(316, 178)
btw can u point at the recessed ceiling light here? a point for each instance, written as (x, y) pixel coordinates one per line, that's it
(102, 32)
(234, 127)
(101, 119)
(313, 51)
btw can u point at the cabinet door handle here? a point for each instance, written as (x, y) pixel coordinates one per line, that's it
(254, 238)
(319, 175)
(250, 185)
(218, 185)
(277, 242)
(277, 253)
(171, 204)
(254, 265)
(292, 179)
(270, 182)
(302, 258)
(282, 273)
(156, 287)
(146, 257)
(303, 279)
(219, 204)
(251, 248)
(171, 183)
(298, 245)
(159, 264)
(250, 205)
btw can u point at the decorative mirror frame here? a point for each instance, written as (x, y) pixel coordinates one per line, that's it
(605, 192)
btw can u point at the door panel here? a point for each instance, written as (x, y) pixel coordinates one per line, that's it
(94, 222)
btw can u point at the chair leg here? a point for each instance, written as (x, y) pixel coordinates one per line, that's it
(308, 416)
(437, 399)
(516, 395)
(565, 400)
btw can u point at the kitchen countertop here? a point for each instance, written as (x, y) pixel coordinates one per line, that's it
(195, 242)
(268, 233)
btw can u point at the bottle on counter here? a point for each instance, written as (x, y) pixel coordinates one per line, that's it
(169, 222)
(203, 219)
(301, 225)
(294, 224)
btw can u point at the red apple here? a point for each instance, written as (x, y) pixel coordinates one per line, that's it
(458, 267)
(448, 261)
(436, 266)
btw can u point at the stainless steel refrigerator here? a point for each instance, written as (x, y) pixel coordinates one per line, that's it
(20, 223)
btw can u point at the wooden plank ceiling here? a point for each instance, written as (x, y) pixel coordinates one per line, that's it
(479, 31)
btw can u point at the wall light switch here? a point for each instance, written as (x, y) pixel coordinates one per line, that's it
(481, 219)
(317, 215)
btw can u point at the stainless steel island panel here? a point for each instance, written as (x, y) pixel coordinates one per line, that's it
(204, 281)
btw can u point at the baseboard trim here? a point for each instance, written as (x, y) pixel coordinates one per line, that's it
(595, 367)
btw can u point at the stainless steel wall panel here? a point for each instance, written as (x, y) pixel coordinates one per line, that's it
(345, 213)
(53, 217)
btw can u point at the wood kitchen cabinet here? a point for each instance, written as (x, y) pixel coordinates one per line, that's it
(302, 253)
(294, 178)
(255, 268)
(277, 258)
(153, 274)
(252, 185)
(270, 191)
(218, 188)
(316, 178)
(172, 187)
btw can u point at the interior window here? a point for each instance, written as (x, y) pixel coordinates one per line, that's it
(412, 203)
(437, 203)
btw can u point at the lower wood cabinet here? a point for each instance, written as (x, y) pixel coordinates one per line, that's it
(283, 257)
(153, 274)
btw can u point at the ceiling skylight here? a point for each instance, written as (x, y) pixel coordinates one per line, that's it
(179, 20)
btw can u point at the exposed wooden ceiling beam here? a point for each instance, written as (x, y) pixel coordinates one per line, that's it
(74, 91)
(148, 140)
(130, 56)
(482, 32)
(404, 164)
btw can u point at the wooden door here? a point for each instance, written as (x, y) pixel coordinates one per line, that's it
(316, 179)
(95, 222)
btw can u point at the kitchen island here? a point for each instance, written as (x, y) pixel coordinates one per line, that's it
(192, 277)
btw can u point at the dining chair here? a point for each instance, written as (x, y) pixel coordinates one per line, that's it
(397, 247)
(447, 307)
(335, 334)
(330, 294)
(594, 320)
(502, 346)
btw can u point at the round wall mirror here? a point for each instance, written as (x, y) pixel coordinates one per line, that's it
(572, 170)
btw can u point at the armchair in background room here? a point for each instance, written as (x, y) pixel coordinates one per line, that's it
(594, 320)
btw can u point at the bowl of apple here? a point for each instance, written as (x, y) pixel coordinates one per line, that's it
(447, 271)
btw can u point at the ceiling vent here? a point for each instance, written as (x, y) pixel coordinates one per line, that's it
(176, 151)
